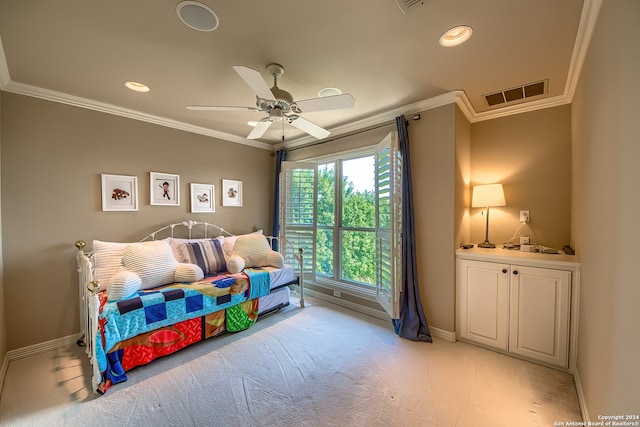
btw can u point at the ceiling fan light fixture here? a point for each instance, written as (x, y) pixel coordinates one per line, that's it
(136, 86)
(252, 123)
(329, 91)
(197, 15)
(456, 36)
(275, 115)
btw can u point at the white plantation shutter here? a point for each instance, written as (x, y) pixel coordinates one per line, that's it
(389, 269)
(298, 200)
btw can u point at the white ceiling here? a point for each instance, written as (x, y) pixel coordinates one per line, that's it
(82, 51)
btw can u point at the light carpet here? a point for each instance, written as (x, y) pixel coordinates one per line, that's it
(318, 366)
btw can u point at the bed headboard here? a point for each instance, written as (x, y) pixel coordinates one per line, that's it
(208, 230)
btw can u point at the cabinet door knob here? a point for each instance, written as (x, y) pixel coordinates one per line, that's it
(504, 270)
(515, 271)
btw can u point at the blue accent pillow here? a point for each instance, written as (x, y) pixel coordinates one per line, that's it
(207, 255)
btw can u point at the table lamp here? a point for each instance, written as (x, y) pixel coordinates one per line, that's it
(485, 196)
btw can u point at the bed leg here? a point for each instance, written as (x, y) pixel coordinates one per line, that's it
(301, 258)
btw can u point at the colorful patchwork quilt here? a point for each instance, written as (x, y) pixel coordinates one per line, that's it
(160, 321)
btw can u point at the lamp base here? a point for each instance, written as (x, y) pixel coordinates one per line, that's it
(487, 244)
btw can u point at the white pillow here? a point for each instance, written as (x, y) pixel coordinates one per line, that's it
(122, 285)
(186, 273)
(235, 264)
(275, 259)
(229, 242)
(255, 251)
(107, 261)
(152, 261)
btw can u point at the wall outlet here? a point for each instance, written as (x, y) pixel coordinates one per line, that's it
(337, 294)
(524, 216)
(524, 240)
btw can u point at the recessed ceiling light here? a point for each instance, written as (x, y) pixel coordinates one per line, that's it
(197, 16)
(456, 36)
(329, 91)
(138, 87)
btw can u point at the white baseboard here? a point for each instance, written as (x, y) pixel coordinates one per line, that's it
(442, 334)
(581, 398)
(379, 314)
(42, 347)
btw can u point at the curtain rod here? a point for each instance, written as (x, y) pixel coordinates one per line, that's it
(414, 117)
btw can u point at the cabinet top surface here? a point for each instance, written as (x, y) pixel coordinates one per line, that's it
(515, 256)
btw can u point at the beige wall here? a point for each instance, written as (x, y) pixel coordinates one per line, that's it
(3, 324)
(606, 202)
(462, 179)
(52, 157)
(530, 154)
(434, 170)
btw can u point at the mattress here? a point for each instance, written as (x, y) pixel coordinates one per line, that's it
(277, 298)
(280, 276)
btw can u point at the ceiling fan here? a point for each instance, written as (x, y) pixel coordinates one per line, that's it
(280, 104)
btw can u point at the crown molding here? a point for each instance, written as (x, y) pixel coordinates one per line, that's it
(590, 11)
(588, 19)
(5, 78)
(64, 98)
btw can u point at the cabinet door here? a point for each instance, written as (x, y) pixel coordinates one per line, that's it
(483, 293)
(539, 318)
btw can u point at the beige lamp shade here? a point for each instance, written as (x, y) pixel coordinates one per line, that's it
(487, 195)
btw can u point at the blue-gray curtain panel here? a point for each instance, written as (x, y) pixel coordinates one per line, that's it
(412, 323)
(275, 225)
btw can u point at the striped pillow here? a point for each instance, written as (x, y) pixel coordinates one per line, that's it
(207, 255)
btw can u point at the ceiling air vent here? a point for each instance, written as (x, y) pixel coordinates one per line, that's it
(408, 5)
(517, 93)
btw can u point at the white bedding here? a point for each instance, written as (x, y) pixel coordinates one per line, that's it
(280, 276)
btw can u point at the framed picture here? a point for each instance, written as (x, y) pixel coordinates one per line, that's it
(164, 189)
(119, 192)
(231, 192)
(202, 198)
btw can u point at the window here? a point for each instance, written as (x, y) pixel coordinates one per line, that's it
(346, 239)
(343, 212)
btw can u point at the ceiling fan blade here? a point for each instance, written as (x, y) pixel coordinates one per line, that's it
(255, 81)
(260, 129)
(219, 108)
(308, 127)
(335, 102)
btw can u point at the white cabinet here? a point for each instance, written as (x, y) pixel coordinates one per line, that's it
(518, 303)
(483, 303)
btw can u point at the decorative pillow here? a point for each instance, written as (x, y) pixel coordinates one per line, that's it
(230, 241)
(254, 251)
(122, 285)
(107, 261)
(186, 273)
(235, 264)
(275, 259)
(180, 250)
(207, 255)
(152, 261)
